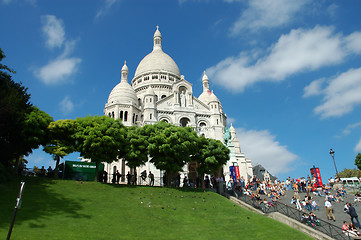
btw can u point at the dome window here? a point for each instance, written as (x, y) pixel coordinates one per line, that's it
(126, 116)
(155, 77)
(146, 78)
(139, 80)
(163, 96)
(163, 77)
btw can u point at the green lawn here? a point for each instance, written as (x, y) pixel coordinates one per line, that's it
(61, 209)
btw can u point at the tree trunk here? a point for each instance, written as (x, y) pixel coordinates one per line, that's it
(56, 170)
(96, 171)
(202, 181)
(17, 163)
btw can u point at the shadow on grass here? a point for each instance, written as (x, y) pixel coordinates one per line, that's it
(39, 200)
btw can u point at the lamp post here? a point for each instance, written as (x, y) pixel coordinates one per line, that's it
(332, 153)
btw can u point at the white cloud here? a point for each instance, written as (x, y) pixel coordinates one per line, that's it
(108, 4)
(350, 127)
(66, 105)
(58, 71)
(53, 30)
(353, 42)
(341, 95)
(61, 68)
(314, 88)
(267, 14)
(262, 147)
(300, 50)
(358, 146)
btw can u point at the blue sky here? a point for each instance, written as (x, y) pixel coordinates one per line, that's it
(287, 72)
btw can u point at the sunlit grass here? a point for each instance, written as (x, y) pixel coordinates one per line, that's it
(61, 209)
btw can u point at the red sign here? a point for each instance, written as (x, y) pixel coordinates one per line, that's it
(315, 172)
(236, 168)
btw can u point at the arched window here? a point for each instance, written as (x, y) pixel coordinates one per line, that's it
(184, 122)
(136, 118)
(150, 116)
(112, 114)
(114, 169)
(156, 98)
(139, 102)
(125, 116)
(133, 117)
(121, 115)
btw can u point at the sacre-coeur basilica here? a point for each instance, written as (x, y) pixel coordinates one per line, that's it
(159, 92)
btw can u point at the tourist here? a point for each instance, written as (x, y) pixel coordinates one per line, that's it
(353, 229)
(129, 178)
(352, 212)
(151, 178)
(329, 210)
(346, 230)
(118, 176)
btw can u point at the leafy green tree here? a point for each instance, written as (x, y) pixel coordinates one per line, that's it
(137, 147)
(211, 155)
(100, 138)
(350, 173)
(358, 161)
(14, 107)
(170, 147)
(62, 140)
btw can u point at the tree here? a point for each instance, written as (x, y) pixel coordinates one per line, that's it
(137, 147)
(170, 147)
(358, 161)
(14, 107)
(100, 138)
(211, 155)
(62, 142)
(350, 173)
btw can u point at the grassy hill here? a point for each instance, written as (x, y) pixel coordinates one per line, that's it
(61, 209)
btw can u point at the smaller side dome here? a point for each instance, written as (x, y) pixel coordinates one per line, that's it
(123, 92)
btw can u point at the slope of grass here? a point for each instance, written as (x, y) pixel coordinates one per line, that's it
(61, 209)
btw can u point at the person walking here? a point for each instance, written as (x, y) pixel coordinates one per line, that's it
(329, 210)
(352, 212)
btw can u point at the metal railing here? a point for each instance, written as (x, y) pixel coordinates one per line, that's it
(323, 226)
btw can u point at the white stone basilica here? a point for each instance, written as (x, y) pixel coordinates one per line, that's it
(158, 92)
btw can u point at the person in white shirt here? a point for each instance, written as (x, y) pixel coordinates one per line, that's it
(329, 210)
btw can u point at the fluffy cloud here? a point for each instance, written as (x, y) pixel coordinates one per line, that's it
(267, 14)
(53, 30)
(61, 68)
(66, 105)
(300, 50)
(274, 157)
(342, 95)
(57, 71)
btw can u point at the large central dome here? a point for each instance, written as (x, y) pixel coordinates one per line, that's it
(157, 60)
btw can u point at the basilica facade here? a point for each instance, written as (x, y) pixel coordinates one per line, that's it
(158, 92)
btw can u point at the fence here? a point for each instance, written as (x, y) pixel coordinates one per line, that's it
(324, 227)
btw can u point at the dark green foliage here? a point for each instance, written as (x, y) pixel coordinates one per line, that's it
(137, 147)
(61, 139)
(171, 147)
(358, 161)
(100, 138)
(350, 173)
(14, 107)
(211, 155)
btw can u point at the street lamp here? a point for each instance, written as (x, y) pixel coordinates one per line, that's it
(332, 153)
